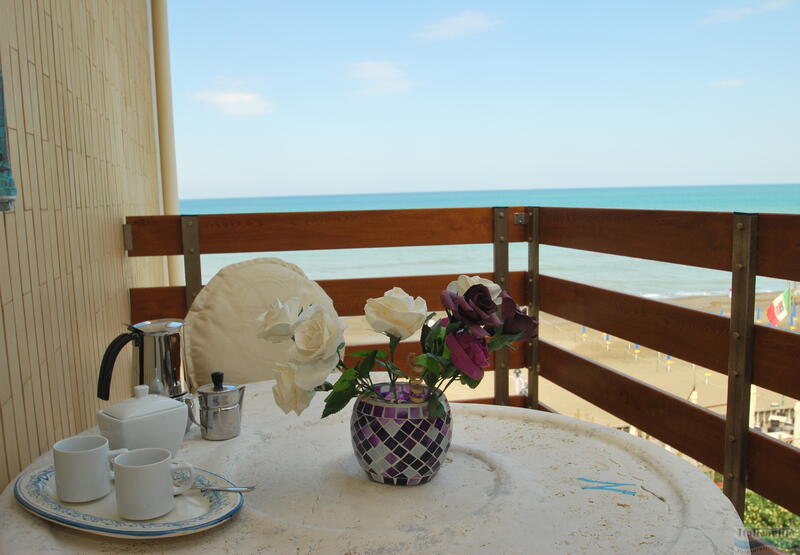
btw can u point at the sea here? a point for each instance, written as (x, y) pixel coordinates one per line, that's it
(630, 275)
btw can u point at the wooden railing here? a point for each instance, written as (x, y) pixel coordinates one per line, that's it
(746, 245)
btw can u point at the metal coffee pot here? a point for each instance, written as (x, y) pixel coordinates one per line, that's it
(157, 347)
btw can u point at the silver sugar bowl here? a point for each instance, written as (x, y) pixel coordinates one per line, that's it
(220, 408)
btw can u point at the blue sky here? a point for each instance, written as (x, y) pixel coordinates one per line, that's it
(288, 98)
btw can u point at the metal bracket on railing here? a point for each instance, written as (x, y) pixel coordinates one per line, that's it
(532, 290)
(127, 237)
(520, 218)
(190, 237)
(500, 233)
(740, 357)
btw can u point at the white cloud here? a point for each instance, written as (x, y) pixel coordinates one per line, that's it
(724, 15)
(236, 103)
(380, 77)
(728, 83)
(465, 23)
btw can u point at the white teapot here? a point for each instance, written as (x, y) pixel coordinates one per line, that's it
(144, 421)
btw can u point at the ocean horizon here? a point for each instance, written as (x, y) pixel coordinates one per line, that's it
(635, 276)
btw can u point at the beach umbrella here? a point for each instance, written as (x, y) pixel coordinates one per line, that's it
(636, 350)
(608, 342)
(758, 315)
(583, 332)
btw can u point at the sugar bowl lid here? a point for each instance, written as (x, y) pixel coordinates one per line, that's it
(219, 394)
(141, 404)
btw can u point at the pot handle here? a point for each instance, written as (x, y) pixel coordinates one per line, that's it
(107, 364)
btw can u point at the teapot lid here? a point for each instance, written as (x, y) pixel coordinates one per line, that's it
(141, 404)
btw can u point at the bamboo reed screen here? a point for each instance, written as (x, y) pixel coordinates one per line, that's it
(79, 108)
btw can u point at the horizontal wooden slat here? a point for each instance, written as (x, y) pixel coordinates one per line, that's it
(700, 239)
(513, 401)
(696, 431)
(152, 303)
(779, 246)
(772, 471)
(349, 295)
(693, 238)
(687, 334)
(288, 231)
(776, 360)
(692, 335)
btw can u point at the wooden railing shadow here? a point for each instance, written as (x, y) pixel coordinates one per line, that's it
(744, 244)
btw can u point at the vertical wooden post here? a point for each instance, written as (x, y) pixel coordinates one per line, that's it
(190, 236)
(740, 357)
(501, 278)
(532, 288)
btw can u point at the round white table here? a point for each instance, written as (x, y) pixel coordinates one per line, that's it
(515, 481)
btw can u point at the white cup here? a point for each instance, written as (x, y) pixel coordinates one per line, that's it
(143, 483)
(83, 469)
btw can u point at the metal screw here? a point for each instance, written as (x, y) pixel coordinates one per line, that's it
(502, 238)
(191, 250)
(737, 335)
(735, 373)
(739, 225)
(740, 266)
(189, 223)
(730, 475)
(732, 437)
(530, 280)
(501, 214)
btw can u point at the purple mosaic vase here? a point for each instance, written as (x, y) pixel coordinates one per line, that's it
(399, 443)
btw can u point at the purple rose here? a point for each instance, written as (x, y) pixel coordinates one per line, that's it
(468, 353)
(515, 320)
(475, 309)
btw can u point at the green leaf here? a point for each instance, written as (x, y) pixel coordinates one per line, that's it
(345, 381)
(390, 367)
(359, 354)
(499, 340)
(367, 364)
(337, 400)
(466, 380)
(435, 407)
(429, 362)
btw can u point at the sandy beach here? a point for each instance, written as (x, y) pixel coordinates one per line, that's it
(676, 376)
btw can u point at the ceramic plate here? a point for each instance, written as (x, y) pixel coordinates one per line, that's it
(193, 512)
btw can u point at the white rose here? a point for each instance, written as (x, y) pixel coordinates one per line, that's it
(311, 373)
(318, 333)
(396, 313)
(460, 286)
(287, 395)
(276, 322)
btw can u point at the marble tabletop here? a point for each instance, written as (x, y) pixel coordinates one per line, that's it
(515, 481)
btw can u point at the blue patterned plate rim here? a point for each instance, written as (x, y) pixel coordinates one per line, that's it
(220, 506)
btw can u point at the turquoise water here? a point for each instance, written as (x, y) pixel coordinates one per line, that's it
(640, 277)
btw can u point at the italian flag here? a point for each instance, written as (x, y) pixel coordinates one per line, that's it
(779, 309)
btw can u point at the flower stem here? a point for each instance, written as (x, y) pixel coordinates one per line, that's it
(448, 384)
